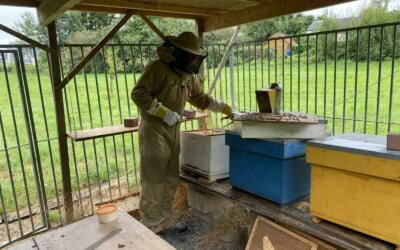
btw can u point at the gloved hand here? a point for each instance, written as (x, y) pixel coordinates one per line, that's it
(222, 107)
(171, 118)
(226, 110)
(159, 110)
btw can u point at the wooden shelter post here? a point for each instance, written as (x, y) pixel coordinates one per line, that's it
(61, 127)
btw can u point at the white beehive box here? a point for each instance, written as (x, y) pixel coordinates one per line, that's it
(278, 130)
(204, 152)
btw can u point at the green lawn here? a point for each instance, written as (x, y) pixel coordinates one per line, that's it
(323, 97)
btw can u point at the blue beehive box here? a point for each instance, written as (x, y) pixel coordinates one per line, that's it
(273, 169)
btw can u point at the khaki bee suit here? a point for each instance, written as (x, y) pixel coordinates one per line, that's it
(160, 143)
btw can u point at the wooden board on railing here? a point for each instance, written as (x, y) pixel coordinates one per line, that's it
(94, 133)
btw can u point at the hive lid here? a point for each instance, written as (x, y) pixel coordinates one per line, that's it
(370, 145)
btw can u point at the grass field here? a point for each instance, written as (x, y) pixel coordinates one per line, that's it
(104, 100)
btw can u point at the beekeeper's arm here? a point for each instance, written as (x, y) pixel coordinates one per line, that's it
(204, 101)
(149, 82)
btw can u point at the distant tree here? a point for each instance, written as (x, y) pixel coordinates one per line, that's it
(291, 25)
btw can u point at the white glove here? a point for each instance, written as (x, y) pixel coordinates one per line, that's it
(237, 115)
(171, 118)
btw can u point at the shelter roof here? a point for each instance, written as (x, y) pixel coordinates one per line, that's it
(215, 14)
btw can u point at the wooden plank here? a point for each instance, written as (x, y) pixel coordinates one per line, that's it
(26, 39)
(49, 10)
(94, 133)
(266, 9)
(279, 237)
(100, 132)
(153, 6)
(84, 233)
(95, 49)
(294, 218)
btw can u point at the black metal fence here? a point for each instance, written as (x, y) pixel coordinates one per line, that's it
(349, 77)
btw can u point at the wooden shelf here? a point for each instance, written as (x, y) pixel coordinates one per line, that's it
(100, 132)
(94, 133)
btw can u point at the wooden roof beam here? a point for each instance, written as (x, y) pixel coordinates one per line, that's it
(265, 10)
(90, 8)
(94, 51)
(150, 6)
(49, 10)
(26, 39)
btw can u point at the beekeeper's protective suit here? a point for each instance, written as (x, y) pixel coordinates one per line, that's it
(161, 93)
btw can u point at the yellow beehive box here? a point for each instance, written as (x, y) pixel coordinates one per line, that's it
(355, 182)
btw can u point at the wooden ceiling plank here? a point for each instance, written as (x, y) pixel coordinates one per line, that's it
(49, 10)
(265, 10)
(89, 8)
(20, 3)
(139, 5)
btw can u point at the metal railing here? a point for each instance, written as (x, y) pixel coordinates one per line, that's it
(350, 77)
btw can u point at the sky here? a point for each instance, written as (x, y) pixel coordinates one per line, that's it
(10, 15)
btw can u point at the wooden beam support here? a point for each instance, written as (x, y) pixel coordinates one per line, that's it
(160, 7)
(61, 127)
(94, 51)
(49, 10)
(152, 26)
(265, 10)
(26, 39)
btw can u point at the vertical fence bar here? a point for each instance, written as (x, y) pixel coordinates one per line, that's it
(367, 81)
(4, 208)
(283, 77)
(91, 126)
(120, 118)
(133, 145)
(326, 68)
(80, 123)
(262, 64)
(334, 86)
(276, 60)
(378, 97)
(96, 81)
(255, 68)
(269, 62)
(10, 172)
(308, 71)
(109, 104)
(345, 82)
(356, 80)
(238, 76)
(17, 138)
(316, 74)
(392, 77)
(298, 75)
(25, 96)
(244, 79)
(291, 72)
(129, 110)
(249, 77)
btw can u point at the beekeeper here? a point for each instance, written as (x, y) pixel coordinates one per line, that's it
(161, 94)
